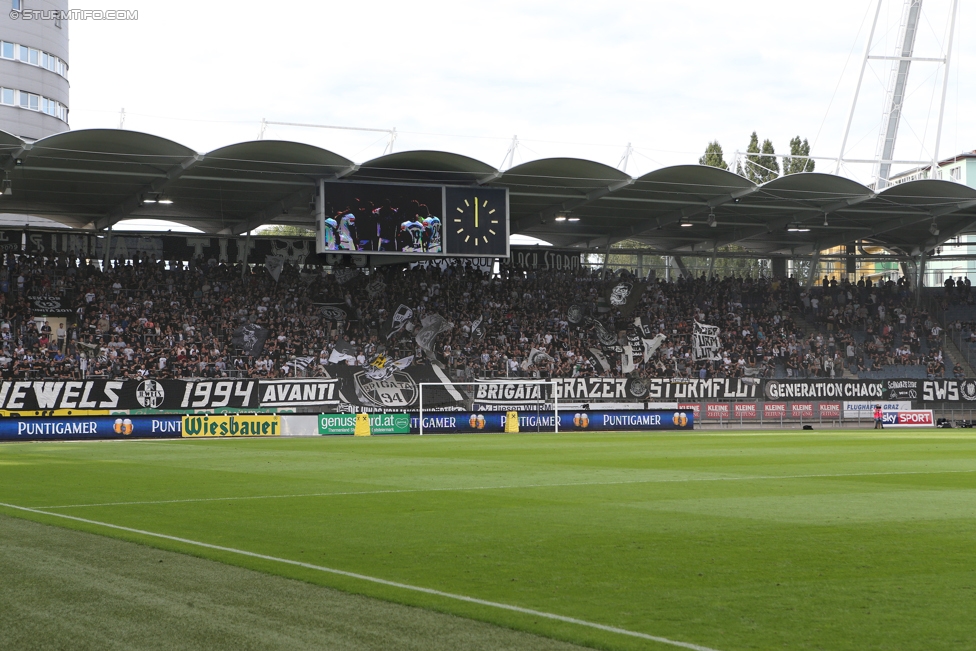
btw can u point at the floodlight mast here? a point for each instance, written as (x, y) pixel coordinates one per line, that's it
(895, 94)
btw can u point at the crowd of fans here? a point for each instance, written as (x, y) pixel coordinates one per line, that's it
(873, 325)
(147, 318)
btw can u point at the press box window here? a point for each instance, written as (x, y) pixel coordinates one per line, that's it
(7, 96)
(7, 50)
(17, 5)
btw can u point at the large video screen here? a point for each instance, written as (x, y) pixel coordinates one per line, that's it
(422, 220)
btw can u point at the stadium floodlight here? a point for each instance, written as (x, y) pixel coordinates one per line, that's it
(933, 227)
(797, 228)
(712, 221)
(492, 395)
(166, 201)
(572, 219)
(685, 222)
(7, 187)
(561, 218)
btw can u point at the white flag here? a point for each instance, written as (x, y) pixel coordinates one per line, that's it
(651, 346)
(335, 357)
(627, 360)
(706, 343)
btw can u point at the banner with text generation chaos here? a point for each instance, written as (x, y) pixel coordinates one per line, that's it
(82, 428)
(813, 389)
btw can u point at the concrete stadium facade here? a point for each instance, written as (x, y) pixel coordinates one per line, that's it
(33, 68)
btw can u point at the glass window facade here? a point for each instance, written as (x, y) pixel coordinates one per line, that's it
(33, 57)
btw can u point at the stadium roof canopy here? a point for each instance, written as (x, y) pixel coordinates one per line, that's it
(96, 178)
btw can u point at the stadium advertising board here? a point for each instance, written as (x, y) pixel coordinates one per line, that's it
(774, 410)
(100, 427)
(693, 407)
(228, 426)
(909, 418)
(592, 421)
(829, 410)
(720, 410)
(864, 410)
(413, 220)
(341, 424)
(745, 410)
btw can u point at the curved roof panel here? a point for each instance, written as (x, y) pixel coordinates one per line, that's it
(97, 177)
(423, 166)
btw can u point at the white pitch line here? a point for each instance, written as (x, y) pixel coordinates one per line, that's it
(373, 579)
(508, 487)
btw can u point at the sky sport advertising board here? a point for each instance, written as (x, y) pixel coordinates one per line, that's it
(909, 418)
(413, 220)
(100, 427)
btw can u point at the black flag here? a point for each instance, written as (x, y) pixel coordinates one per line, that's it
(250, 339)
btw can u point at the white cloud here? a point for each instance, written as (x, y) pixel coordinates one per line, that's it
(570, 78)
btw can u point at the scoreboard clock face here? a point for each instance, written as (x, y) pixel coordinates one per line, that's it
(476, 221)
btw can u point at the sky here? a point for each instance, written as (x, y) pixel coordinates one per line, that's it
(577, 79)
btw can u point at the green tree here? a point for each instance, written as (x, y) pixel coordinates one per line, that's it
(761, 165)
(714, 157)
(796, 165)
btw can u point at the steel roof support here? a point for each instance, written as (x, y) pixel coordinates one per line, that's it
(893, 224)
(814, 263)
(125, 208)
(681, 266)
(685, 213)
(571, 204)
(271, 211)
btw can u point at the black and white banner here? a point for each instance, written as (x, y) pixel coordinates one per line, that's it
(813, 389)
(250, 339)
(338, 312)
(40, 395)
(706, 343)
(300, 393)
(396, 321)
(51, 305)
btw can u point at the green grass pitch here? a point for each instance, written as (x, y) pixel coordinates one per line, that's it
(721, 540)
